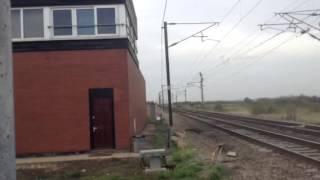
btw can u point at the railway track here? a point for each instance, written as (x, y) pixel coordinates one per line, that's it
(289, 138)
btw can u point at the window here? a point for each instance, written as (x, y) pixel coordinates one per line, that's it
(45, 23)
(106, 21)
(85, 22)
(33, 23)
(16, 24)
(62, 22)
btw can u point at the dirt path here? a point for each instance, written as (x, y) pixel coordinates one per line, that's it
(252, 162)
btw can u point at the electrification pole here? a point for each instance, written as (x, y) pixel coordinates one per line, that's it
(177, 97)
(185, 95)
(165, 27)
(201, 87)
(7, 133)
(162, 96)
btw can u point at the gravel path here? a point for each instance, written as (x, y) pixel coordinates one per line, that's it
(252, 162)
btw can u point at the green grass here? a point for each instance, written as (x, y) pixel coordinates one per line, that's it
(161, 134)
(180, 156)
(219, 173)
(186, 166)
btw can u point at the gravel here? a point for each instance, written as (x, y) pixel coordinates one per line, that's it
(252, 161)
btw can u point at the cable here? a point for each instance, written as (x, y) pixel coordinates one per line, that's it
(253, 48)
(261, 57)
(163, 17)
(196, 61)
(259, 45)
(255, 36)
(164, 11)
(249, 42)
(239, 50)
(193, 35)
(233, 28)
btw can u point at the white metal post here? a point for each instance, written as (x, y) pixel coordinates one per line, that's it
(7, 133)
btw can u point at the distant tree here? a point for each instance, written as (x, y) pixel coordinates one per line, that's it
(248, 100)
(219, 107)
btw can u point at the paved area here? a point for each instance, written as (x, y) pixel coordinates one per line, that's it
(82, 157)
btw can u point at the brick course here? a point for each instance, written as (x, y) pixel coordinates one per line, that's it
(52, 100)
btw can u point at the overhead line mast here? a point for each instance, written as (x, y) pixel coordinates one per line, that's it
(7, 130)
(293, 22)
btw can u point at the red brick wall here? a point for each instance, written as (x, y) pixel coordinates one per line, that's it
(51, 97)
(137, 98)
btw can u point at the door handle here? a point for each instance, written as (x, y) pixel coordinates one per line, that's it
(94, 129)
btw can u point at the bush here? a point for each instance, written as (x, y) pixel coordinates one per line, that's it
(219, 173)
(72, 175)
(248, 100)
(180, 156)
(257, 109)
(186, 170)
(260, 108)
(186, 166)
(161, 134)
(219, 107)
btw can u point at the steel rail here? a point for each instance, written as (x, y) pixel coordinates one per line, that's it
(304, 149)
(291, 126)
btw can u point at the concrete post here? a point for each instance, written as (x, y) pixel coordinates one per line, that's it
(7, 133)
(152, 109)
(201, 88)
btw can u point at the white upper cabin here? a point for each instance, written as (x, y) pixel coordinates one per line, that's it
(72, 23)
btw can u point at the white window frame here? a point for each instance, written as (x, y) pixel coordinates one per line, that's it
(21, 24)
(22, 37)
(117, 32)
(75, 26)
(52, 25)
(48, 26)
(43, 23)
(94, 21)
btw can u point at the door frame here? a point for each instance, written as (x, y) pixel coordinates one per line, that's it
(101, 92)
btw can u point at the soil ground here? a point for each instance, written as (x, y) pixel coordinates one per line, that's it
(84, 170)
(251, 163)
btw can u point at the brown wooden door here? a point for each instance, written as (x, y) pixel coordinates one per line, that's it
(102, 121)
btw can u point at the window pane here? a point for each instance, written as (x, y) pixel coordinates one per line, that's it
(33, 23)
(85, 21)
(62, 22)
(16, 23)
(106, 20)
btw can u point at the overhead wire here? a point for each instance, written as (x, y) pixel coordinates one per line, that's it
(227, 15)
(194, 62)
(248, 42)
(162, 59)
(233, 28)
(239, 50)
(267, 40)
(253, 48)
(198, 60)
(261, 57)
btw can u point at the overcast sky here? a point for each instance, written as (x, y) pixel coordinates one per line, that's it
(233, 68)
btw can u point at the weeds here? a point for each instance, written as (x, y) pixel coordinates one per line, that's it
(72, 175)
(186, 166)
(184, 155)
(219, 173)
(161, 134)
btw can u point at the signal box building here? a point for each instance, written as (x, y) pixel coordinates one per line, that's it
(77, 82)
